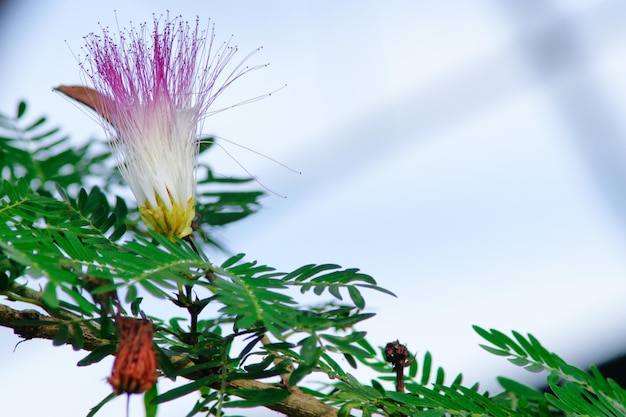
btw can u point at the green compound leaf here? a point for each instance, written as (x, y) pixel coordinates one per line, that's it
(21, 109)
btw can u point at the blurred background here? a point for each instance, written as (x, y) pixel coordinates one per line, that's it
(470, 155)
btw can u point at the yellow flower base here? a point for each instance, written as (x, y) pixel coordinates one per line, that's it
(174, 222)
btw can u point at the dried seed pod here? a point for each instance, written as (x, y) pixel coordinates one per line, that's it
(134, 369)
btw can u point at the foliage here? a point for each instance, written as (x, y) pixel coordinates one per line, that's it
(63, 229)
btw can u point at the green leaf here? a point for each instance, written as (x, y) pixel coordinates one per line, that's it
(5, 283)
(149, 405)
(345, 345)
(494, 338)
(535, 367)
(85, 306)
(21, 109)
(378, 387)
(310, 352)
(118, 232)
(333, 289)
(333, 364)
(431, 413)
(36, 124)
(165, 363)
(49, 296)
(186, 389)
(260, 366)
(377, 288)
(62, 335)
(98, 354)
(356, 297)
(232, 260)
(495, 351)
(516, 360)
(458, 380)
(508, 342)
(526, 345)
(413, 368)
(97, 408)
(519, 389)
(345, 409)
(410, 399)
(426, 365)
(258, 397)
(48, 134)
(350, 359)
(153, 289)
(78, 339)
(550, 359)
(439, 379)
(199, 367)
(135, 306)
(299, 373)
(308, 271)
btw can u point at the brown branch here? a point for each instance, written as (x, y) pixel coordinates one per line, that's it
(296, 405)
(11, 318)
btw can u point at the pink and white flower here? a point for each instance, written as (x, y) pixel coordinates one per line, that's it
(153, 88)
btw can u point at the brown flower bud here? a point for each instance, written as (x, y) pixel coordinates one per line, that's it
(397, 354)
(134, 369)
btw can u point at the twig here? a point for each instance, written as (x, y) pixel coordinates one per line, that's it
(398, 355)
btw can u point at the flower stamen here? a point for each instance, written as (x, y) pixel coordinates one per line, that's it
(152, 92)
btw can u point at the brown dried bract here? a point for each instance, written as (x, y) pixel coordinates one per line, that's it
(87, 96)
(134, 369)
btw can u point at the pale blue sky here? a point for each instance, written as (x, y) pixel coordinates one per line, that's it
(468, 155)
